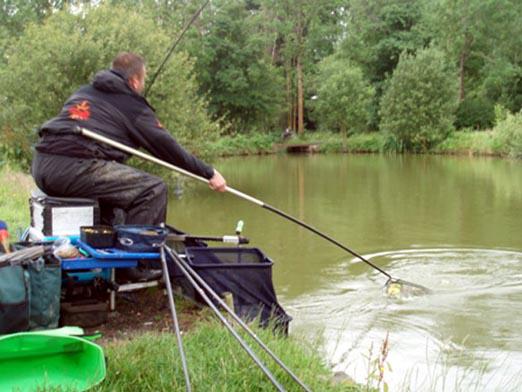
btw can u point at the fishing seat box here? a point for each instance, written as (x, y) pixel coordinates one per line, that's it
(60, 216)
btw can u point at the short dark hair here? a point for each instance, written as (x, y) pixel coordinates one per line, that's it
(129, 64)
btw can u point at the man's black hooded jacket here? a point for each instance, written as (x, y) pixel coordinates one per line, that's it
(111, 108)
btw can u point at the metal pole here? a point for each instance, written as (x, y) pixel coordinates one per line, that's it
(243, 344)
(222, 303)
(166, 278)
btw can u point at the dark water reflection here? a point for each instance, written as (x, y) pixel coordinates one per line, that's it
(450, 223)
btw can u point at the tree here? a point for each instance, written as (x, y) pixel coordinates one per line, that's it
(343, 98)
(233, 66)
(501, 76)
(306, 32)
(16, 14)
(482, 37)
(377, 32)
(420, 100)
(50, 61)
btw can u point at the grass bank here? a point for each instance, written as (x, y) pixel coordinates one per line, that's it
(151, 362)
(253, 143)
(256, 143)
(504, 140)
(484, 143)
(15, 188)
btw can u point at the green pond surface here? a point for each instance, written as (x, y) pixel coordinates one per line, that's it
(453, 224)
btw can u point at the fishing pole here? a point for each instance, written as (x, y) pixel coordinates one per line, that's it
(243, 325)
(168, 285)
(225, 322)
(95, 136)
(171, 50)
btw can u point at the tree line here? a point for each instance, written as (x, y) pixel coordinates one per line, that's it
(415, 69)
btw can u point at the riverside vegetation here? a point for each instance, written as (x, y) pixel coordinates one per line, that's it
(502, 140)
(355, 75)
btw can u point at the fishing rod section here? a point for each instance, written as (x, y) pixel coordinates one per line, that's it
(166, 278)
(326, 237)
(171, 50)
(390, 279)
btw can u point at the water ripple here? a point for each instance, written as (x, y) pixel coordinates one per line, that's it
(469, 320)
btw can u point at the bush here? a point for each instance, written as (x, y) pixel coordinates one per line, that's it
(471, 142)
(420, 100)
(243, 144)
(52, 60)
(343, 97)
(509, 132)
(476, 113)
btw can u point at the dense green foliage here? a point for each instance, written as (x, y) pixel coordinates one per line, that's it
(263, 65)
(510, 133)
(419, 101)
(50, 61)
(481, 38)
(476, 113)
(343, 97)
(15, 188)
(377, 33)
(234, 69)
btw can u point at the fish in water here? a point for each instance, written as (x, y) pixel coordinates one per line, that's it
(399, 289)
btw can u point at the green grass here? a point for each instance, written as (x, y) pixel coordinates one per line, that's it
(243, 144)
(216, 362)
(15, 190)
(471, 143)
(504, 140)
(266, 143)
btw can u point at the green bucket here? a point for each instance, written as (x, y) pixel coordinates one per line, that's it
(31, 361)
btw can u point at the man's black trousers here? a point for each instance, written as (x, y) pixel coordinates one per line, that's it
(142, 196)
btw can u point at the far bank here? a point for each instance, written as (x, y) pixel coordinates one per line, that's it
(466, 142)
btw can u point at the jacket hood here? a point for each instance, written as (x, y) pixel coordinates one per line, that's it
(111, 81)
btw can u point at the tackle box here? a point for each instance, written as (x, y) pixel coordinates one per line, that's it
(57, 216)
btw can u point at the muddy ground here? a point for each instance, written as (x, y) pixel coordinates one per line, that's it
(146, 310)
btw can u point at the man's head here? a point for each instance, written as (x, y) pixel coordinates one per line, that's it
(132, 66)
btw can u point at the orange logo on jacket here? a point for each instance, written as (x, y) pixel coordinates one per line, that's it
(80, 111)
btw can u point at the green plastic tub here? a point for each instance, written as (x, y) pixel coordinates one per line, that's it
(31, 361)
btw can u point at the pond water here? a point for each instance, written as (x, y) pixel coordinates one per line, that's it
(453, 224)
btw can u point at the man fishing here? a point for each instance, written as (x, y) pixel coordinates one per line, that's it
(66, 164)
